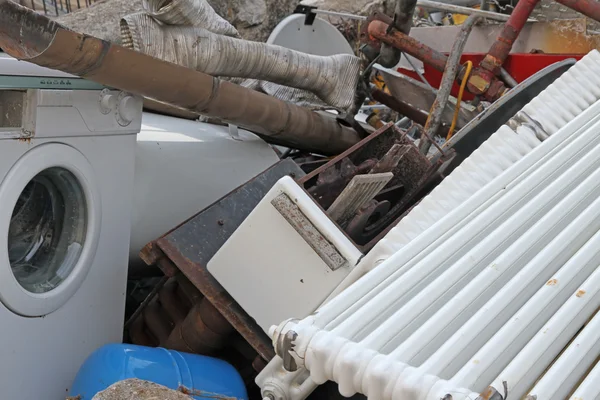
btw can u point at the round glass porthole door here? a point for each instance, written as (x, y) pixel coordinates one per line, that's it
(47, 230)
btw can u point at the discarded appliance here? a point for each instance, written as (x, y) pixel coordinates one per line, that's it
(480, 302)
(199, 376)
(289, 248)
(66, 175)
(170, 147)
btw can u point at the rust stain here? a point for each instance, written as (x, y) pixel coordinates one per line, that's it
(24, 139)
(580, 293)
(552, 282)
(202, 393)
(487, 393)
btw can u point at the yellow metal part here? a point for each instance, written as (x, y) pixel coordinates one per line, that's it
(469, 66)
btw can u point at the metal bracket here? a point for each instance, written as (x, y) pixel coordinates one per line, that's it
(234, 132)
(311, 235)
(310, 16)
(285, 344)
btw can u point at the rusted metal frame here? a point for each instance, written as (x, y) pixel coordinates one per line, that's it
(411, 170)
(30, 36)
(450, 73)
(313, 174)
(187, 249)
(215, 293)
(403, 16)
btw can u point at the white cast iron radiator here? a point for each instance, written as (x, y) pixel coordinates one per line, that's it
(484, 299)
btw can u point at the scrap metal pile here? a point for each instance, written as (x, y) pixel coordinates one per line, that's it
(350, 181)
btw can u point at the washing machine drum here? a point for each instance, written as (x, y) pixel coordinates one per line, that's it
(47, 230)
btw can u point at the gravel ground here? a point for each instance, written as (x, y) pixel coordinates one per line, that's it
(136, 389)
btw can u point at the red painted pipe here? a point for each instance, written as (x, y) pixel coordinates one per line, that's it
(512, 28)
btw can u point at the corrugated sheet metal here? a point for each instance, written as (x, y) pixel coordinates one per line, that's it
(497, 271)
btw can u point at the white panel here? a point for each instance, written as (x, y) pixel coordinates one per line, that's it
(268, 254)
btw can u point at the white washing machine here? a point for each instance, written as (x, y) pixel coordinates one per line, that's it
(67, 154)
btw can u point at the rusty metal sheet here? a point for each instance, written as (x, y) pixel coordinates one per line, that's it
(191, 245)
(411, 172)
(421, 97)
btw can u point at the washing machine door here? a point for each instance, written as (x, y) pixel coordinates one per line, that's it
(50, 226)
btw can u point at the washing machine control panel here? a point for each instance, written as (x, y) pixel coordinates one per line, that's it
(45, 113)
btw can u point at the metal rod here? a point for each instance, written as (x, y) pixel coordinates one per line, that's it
(146, 301)
(408, 44)
(29, 36)
(339, 14)
(464, 10)
(425, 81)
(389, 56)
(508, 79)
(435, 116)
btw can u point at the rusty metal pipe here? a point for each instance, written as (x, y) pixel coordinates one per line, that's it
(171, 303)
(589, 8)
(202, 331)
(389, 56)
(407, 44)
(29, 36)
(399, 106)
(494, 59)
(450, 72)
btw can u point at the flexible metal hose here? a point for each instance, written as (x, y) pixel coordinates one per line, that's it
(189, 13)
(333, 79)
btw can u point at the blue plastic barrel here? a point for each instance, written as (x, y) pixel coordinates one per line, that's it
(205, 377)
